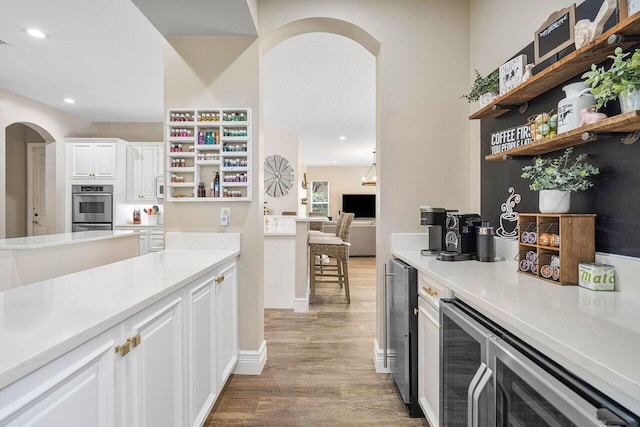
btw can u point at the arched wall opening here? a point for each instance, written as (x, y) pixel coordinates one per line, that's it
(25, 158)
(336, 27)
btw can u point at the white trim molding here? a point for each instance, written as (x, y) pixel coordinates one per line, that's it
(301, 305)
(378, 359)
(251, 362)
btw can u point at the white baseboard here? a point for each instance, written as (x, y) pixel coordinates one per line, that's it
(378, 359)
(251, 362)
(301, 305)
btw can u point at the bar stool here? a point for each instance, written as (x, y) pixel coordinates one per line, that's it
(336, 248)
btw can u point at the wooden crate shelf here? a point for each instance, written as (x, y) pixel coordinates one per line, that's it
(622, 123)
(577, 244)
(566, 68)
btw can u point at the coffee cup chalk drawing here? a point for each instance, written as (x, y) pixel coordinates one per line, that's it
(509, 218)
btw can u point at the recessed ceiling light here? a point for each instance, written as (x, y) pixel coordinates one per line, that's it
(70, 101)
(343, 138)
(36, 33)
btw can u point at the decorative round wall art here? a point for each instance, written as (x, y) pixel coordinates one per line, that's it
(278, 176)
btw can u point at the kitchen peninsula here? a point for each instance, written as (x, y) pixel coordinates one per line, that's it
(170, 316)
(25, 260)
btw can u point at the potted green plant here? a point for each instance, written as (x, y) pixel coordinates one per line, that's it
(556, 178)
(484, 89)
(621, 80)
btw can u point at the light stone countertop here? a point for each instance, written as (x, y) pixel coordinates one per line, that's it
(44, 320)
(595, 335)
(49, 240)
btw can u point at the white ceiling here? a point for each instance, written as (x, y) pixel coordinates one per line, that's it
(108, 57)
(323, 86)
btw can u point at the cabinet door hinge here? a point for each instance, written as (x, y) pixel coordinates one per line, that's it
(415, 311)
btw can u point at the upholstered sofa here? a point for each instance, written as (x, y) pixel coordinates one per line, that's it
(363, 236)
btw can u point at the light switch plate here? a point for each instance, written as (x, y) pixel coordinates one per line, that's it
(225, 216)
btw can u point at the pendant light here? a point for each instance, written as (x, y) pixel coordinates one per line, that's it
(370, 181)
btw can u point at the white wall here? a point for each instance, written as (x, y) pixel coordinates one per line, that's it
(422, 61)
(284, 143)
(342, 180)
(18, 109)
(223, 72)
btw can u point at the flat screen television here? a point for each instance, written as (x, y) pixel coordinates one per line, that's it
(361, 205)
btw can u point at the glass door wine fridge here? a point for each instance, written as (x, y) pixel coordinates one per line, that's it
(491, 378)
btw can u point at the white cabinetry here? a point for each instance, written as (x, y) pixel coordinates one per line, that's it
(154, 369)
(143, 170)
(78, 389)
(201, 143)
(93, 158)
(151, 238)
(203, 387)
(429, 292)
(163, 366)
(226, 323)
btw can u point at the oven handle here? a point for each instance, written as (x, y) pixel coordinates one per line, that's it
(472, 387)
(482, 384)
(92, 194)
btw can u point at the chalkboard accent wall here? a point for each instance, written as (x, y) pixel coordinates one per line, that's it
(615, 197)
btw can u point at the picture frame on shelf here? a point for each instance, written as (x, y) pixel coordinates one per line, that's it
(555, 34)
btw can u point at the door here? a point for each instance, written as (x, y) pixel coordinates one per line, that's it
(134, 171)
(104, 160)
(528, 395)
(202, 350)
(429, 361)
(463, 364)
(154, 368)
(398, 326)
(149, 172)
(36, 190)
(226, 323)
(82, 161)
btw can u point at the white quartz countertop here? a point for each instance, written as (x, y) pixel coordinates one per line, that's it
(48, 240)
(596, 335)
(44, 320)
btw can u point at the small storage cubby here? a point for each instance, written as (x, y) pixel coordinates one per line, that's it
(550, 246)
(203, 142)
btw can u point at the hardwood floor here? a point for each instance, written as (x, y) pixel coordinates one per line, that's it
(320, 366)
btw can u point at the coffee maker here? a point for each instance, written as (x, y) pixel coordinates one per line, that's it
(460, 237)
(434, 220)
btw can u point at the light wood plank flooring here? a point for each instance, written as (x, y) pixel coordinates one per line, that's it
(320, 366)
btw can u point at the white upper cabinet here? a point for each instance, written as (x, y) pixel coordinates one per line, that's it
(93, 159)
(143, 169)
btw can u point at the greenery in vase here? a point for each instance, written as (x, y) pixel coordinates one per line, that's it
(483, 85)
(560, 173)
(623, 75)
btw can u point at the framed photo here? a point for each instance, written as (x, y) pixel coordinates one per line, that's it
(555, 34)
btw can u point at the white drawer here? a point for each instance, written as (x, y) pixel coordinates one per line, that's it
(431, 290)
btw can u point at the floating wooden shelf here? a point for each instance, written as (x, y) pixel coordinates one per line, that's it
(622, 123)
(568, 67)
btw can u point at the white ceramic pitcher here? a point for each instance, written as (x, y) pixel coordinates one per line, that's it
(578, 96)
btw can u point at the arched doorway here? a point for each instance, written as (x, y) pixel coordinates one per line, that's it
(25, 180)
(334, 27)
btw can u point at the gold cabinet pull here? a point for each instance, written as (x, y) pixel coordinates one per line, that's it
(415, 311)
(220, 279)
(123, 349)
(430, 291)
(135, 341)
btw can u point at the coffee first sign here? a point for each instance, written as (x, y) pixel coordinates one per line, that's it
(510, 138)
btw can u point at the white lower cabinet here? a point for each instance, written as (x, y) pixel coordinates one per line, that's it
(154, 366)
(202, 385)
(429, 361)
(77, 389)
(163, 366)
(226, 323)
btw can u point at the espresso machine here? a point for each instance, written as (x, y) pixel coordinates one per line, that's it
(460, 237)
(434, 220)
